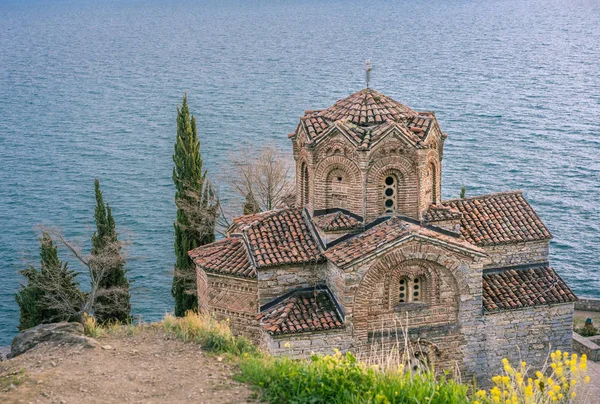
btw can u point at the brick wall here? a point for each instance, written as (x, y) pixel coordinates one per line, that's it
(448, 319)
(276, 281)
(235, 299)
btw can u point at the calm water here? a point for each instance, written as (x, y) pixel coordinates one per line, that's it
(89, 89)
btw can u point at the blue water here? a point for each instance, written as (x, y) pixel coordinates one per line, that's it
(89, 89)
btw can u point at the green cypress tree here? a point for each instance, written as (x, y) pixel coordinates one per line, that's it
(196, 208)
(107, 263)
(52, 294)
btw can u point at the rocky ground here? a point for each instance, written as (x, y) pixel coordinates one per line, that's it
(147, 367)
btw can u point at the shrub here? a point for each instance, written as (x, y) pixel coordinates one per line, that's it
(206, 331)
(565, 380)
(91, 328)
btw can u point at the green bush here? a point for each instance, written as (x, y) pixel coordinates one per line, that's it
(342, 379)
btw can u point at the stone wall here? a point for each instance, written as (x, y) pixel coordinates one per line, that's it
(277, 281)
(525, 335)
(517, 254)
(587, 304)
(304, 345)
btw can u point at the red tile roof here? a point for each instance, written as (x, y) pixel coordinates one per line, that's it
(510, 289)
(304, 311)
(367, 107)
(335, 221)
(501, 218)
(279, 237)
(438, 213)
(371, 240)
(227, 256)
(366, 116)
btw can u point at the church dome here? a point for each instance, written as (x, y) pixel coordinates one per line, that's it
(367, 107)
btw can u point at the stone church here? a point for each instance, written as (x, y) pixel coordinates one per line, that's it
(370, 249)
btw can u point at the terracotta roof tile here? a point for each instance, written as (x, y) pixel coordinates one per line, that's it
(336, 221)
(280, 237)
(438, 213)
(366, 116)
(227, 256)
(367, 107)
(511, 289)
(502, 218)
(301, 312)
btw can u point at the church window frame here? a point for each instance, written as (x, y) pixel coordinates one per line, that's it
(390, 193)
(304, 180)
(410, 290)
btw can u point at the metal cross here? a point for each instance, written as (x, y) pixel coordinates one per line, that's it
(368, 69)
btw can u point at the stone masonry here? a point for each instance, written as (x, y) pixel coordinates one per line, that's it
(370, 251)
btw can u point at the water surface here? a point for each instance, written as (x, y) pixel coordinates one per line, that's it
(89, 89)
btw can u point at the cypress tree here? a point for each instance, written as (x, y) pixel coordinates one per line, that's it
(463, 192)
(52, 294)
(196, 209)
(250, 205)
(113, 302)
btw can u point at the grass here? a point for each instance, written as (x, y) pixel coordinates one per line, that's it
(341, 378)
(12, 379)
(212, 335)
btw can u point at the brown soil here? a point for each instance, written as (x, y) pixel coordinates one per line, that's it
(148, 367)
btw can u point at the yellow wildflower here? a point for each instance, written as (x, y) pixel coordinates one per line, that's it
(586, 379)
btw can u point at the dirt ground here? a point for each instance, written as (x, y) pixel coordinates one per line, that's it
(147, 367)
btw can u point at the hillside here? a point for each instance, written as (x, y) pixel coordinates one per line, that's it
(145, 367)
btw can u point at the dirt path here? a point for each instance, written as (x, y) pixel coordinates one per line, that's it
(147, 367)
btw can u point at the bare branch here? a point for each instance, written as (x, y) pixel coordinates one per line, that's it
(267, 175)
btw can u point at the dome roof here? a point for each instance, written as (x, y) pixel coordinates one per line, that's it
(367, 107)
(367, 116)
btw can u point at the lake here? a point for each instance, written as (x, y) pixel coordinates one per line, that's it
(90, 89)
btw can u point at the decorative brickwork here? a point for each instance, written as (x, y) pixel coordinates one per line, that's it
(373, 251)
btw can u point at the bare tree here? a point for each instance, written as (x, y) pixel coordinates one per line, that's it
(98, 267)
(266, 175)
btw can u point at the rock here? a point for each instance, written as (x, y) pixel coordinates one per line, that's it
(59, 333)
(107, 347)
(4, 353)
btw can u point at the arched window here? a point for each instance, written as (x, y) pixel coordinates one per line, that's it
(411, 290)
(304, 184)
(431, 174)
(390, 194)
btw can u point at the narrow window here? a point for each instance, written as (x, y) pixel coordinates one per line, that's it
(390, 188)
(431, 173)
(304, 175)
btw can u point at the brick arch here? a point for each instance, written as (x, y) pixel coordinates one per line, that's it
(406, 172)
(441, 270)
(351, 182)
(433, 183)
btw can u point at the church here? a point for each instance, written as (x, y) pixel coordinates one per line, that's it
(370, 252)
